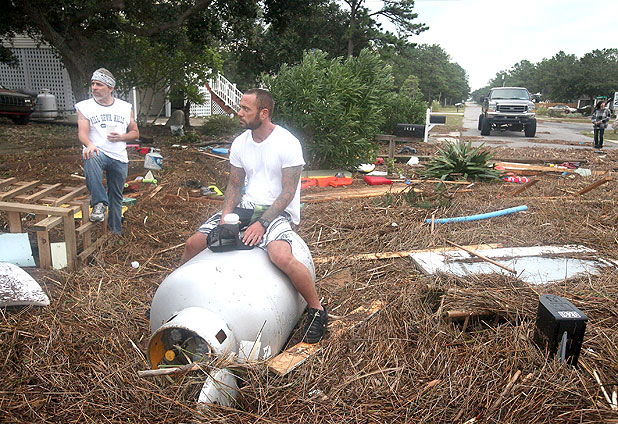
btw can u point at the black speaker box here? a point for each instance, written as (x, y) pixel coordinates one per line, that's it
(560, 328)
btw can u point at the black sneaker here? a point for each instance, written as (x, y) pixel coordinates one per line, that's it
(315, 328)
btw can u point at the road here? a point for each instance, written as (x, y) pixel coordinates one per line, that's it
(545, 130)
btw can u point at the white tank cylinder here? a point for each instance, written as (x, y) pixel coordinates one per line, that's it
(46, 107)
(229, 302)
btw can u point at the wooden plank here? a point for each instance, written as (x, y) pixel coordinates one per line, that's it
(485, 258)
(88, 251)
(401, 254)
(391, 150)
(47, 224)
(85, 227)
(70, 238)
(14, 222)
(296, 355)
(25, 187)
(384, 137)
(351, 193)
(214, 156)
(593, 186)
(524, 187)
(45, 261)
(511, 166)
(36, 209)
(39, 194)
(7, 181)
(71, 195)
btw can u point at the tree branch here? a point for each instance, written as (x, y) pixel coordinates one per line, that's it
(148, 32)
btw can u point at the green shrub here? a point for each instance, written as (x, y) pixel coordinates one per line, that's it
(190, 137)
(435, 105)
(459, 161)
(541, 110)
(220, 125)
(335, 107)
(402, 109)
(556, 113)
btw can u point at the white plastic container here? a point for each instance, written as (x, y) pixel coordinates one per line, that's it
(154, 161)
(46, 107)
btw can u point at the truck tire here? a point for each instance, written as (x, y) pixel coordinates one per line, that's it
(530, 129)
(485, 127)
(480, 121)
(21, 120)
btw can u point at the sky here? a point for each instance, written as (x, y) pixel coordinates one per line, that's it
(488, 36)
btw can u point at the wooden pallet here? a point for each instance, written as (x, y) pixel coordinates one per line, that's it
(52, 205)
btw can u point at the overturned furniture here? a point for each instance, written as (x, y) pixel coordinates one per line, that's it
(52, 205)
(234, 304)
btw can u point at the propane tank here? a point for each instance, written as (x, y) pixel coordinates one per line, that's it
(235, 302)
(45, 107)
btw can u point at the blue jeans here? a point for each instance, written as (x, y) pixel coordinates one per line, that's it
(598, 137)
(115, 175)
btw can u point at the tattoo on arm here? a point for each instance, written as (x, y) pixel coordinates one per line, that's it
(289, 182)
(233, 192)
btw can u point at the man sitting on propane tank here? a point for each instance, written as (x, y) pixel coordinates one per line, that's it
(271, 159)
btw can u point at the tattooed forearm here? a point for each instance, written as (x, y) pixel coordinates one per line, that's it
(233, 192)
(289, 182)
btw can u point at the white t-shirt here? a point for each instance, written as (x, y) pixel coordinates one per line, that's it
(106, 119)
(263, 163)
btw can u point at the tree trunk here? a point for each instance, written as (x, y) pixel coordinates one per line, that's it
(186, 109)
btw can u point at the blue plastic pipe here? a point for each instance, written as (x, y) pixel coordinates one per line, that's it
(479, 216)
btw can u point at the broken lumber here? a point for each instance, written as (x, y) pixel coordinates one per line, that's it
(594, 185)
(355, 193)
(524, 187)
(485, 258)
(291, 358)
(401, 254)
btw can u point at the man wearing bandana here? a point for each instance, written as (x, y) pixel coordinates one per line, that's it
(105, 124)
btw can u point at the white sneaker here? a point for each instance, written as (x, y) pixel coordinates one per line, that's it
(98, 213)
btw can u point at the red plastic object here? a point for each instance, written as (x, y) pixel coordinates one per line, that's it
(143, 150)
(325, 181)
(343, 181)
(308, 182)
(513, 179)
(375, 180)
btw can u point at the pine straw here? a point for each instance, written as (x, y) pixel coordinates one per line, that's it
(77, 360)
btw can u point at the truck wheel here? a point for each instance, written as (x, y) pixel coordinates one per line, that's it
(530, 129)
(480, 122)
(21, 120)
(485, 127)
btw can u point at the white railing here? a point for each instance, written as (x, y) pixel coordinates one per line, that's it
(226, 91)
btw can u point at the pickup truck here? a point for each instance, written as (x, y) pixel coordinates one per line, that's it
(508, 108)
(16, 105)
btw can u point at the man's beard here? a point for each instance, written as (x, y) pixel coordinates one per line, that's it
(253, 125)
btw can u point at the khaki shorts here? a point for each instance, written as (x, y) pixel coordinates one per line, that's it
(279, 229)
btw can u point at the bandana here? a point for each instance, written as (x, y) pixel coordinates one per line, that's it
(105, 79)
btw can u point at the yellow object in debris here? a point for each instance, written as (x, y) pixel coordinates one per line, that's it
(170, 355)
(216, 190)
(78, 214)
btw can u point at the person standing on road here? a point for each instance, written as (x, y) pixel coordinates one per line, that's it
(271, 159)
(600, 119)
(104, 125)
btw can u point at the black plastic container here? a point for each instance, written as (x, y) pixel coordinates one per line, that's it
(558, 321)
